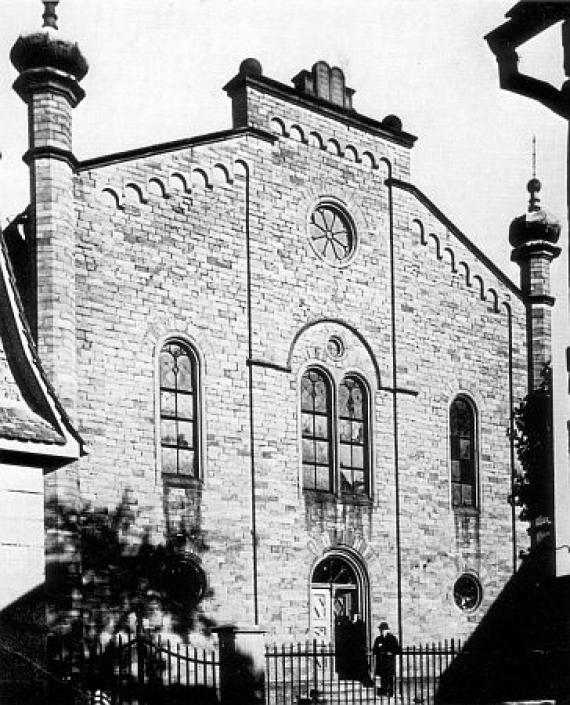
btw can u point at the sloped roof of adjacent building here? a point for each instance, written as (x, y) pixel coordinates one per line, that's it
(21, 424)
(32, 419)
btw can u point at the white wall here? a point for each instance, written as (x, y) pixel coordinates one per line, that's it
(22, 561)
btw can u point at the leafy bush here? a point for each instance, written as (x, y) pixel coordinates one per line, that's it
(532, 436)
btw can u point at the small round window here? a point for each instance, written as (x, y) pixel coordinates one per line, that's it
(335, 347)
(467, 592)
(332, 234)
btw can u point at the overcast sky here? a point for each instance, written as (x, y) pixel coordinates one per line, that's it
(157, 68)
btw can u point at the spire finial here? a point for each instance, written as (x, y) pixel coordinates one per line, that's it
(534, 184)
(50, 16)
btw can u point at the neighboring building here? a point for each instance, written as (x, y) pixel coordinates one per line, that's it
(269, 334)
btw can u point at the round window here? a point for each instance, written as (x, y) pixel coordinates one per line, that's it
(335, 347)
(332, 234)
(467, 592)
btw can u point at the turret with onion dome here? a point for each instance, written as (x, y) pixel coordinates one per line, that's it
(50, 68)
(534, 236)
(47, 48)
(47, 52)
(536, 225)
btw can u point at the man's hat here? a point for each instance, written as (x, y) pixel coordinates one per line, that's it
(384, 625)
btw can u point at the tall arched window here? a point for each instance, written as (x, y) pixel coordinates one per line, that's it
(353, 436)
(463, 453)
(316, 431)
(179, 436)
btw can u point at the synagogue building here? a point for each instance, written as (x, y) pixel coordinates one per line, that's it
(270, 336)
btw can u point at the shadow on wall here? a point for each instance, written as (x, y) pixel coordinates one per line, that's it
(110, 588)
(521, 648)
(23, 677)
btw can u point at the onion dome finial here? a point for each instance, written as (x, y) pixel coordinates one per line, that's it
(533, 187)
(47, 49)
(50, 16)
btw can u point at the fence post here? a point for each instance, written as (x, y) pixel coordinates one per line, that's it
(242, 664)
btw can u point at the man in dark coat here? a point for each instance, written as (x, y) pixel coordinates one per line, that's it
(385, 648)
(351, 654)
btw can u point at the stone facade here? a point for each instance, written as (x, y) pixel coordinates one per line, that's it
(207, 241)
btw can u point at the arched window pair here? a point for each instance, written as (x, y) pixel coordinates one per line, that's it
(335, 434)
(179, 418)
(463, 453)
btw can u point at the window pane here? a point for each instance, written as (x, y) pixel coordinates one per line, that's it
(169, 460)
(306, 394)
(186, 406)
(322, 448)
(323, 479)
(321, 395)
(357, 432)
(308, 451)
(357, 457)
(455, 470)
(467, 495)
(455, 454)
(306, 424)
(463, 421)
(321, 427)
(345, 481)
(168, 431)
(357, 406)
(309, 476)
(166, 370)
(467, 474)
(456, 494)
(465, 448)
(345, 430)
(168, 403)
(343, 397)
(184, 373)
(358, 484)
(185, 434)
(186, 462)
(345, 456)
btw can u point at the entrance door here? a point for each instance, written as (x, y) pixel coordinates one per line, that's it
(335, 597)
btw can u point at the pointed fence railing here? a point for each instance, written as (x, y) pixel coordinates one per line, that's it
(135, 669)
(141, 669)
(308, 673)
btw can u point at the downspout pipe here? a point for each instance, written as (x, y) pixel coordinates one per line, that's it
(512, 439)
(251, 400)
(394, 355)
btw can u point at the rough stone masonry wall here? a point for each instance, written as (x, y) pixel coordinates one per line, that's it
(161, 253)
(161, 250)
(450, 340)
(453, 336)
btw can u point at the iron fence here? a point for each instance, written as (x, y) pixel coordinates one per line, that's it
(144, 669)
(133, 670)
(307, 673)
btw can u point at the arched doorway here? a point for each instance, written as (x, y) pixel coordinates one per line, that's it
(338, 594)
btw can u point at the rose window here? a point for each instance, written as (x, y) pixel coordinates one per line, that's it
(331, 234)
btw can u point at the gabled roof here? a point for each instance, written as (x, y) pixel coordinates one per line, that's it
(458, 234)
(33, 422)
